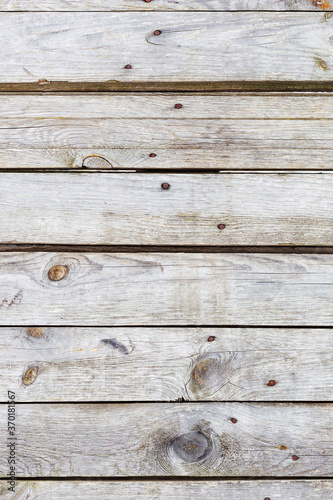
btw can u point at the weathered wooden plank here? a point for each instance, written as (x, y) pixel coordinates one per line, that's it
(169, 209)
(214, 131)
(165, 289)
(188, 46)
(163, 364)
(163, 439)
(161, 5)
(164, 490)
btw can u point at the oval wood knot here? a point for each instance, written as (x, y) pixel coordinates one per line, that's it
(36, 333)
(191, 447)
(57, 273)
(30, 375)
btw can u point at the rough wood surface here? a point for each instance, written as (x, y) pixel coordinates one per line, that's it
(167, 364)
(163, 439)
(171, 5)
(210, 131)
(118, 209)
(165, 289)
(165, 490)
(166, 46)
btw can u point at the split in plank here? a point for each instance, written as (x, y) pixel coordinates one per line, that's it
(167, 209)
(165, 289)
(165, 5)
(179, 46)
(164, 439)
(162, 364)
(164, 490)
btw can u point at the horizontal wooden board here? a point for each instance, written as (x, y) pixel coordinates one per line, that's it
(168, 5)
(167, 364)
(254, 209)
(189, 439)
(188, 46)
(165, 289)
(146, 131)
(164, 490)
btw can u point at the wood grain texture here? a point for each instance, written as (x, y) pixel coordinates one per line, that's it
(164, 490)
(189, 439)
(165, 5)
(166, 289)
(210, 131)
(120, 209)
(229, 46)
(166, 364)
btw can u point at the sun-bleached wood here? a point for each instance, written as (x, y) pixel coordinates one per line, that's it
(210, 131)
(165, 490)
(165, 47)
(167, 364)
(169, 5)
(120, 208)
(166, 289)
(164, 439)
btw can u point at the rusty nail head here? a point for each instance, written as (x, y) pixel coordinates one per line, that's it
(178, 105)
(57, 273)
(271, 383)
(267, 498)
(157, 32)
(211, 338)
(152, 155)
(234, 420)
(165, 185)
(221, 226)
(128, 66)
(294, 457)
(147, 1)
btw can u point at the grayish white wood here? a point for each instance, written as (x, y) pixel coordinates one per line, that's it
(111, 208)
(166, 490)
(166, 289)
(190, 439)
(211, 131)
(211, 5)
(219, 46)
(163, 364)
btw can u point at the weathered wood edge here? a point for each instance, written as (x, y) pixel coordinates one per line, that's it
(165, 489)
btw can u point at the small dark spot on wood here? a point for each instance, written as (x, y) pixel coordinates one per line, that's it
(36, 333)
(191, 447)
(116, 345)
(294, 457)
(152, 155)
(30, 375)
(178, 105)
(211, 338)
(271, 383)
(128, 66)
(221, 226)
(57, 273)
(165, 185)
(179, 400)
(234, 420)
(282, 447)
(267, 498)
(157, 32)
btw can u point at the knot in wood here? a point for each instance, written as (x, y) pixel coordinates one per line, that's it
(36, 333)
(191, 447)
(57, 273)
(30, 375)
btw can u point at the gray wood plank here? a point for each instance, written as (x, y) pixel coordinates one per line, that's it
(210, 131)
(189, 439)
(161, 5)
(254, 209)
(165, 289)
(164, 490)
(166, 364)
(189, 46)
